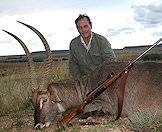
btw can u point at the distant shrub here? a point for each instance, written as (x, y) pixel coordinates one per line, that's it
(152, 57)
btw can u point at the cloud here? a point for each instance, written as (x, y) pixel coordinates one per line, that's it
(123, 30)
(4, 41)
(29, 6)
(157, 34)
(148, 15)
(11, 7)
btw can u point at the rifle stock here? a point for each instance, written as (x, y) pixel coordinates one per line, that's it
(72, 114)
(101, 88)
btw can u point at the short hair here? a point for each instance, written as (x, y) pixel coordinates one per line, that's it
(81, 16)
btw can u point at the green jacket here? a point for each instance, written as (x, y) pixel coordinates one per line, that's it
(82, 61)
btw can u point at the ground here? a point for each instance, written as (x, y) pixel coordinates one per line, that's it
(23, 122)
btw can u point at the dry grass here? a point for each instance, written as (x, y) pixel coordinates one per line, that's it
(23, 122)
(16, 112)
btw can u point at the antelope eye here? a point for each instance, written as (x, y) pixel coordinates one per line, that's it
(45, 100)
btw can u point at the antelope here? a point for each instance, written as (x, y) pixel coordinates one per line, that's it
(143, 89)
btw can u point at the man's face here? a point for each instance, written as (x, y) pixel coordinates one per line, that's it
(84, 28)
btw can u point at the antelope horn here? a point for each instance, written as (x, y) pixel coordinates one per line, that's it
(30, 61)
(49, 60)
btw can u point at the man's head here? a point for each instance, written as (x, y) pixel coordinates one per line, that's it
(84, 26)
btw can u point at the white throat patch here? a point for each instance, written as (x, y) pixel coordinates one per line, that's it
(60, 107)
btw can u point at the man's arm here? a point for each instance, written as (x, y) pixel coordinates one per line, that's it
(107, 52)
(73, 64)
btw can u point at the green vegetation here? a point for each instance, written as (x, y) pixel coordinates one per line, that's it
(152, 57)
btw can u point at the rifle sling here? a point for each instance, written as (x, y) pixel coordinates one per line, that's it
(122, 83)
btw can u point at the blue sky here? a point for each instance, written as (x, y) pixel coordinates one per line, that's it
(122, 22)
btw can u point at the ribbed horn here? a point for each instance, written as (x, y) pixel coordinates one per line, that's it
(30, 61)
(49, 60)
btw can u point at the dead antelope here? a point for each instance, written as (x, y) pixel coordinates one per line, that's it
(143, 89)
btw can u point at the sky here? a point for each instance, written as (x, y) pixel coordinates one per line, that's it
(122, 22)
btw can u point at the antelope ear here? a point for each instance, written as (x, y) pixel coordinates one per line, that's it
(54, 95)
(34, 97)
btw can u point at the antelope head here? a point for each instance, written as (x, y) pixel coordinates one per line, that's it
(44, 99)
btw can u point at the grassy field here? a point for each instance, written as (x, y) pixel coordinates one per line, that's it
(16, 111)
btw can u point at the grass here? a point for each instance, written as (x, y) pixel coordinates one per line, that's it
(145, 121)
(15, 96)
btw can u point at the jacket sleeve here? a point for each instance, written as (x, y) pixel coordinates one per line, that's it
(107, 52)
(73, 63)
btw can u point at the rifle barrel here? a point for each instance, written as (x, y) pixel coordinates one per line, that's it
(156, 43)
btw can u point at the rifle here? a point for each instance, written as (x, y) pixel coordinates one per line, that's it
(102, 87)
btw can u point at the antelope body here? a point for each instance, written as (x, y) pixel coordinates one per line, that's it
(143, 89)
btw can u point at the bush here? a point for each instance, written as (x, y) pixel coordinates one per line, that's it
(152, 57)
